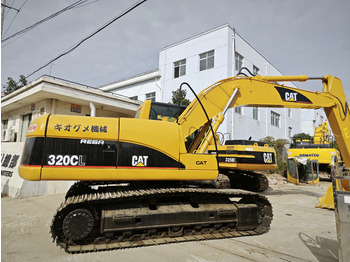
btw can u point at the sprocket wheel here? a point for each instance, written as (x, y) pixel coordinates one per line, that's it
(78, 224)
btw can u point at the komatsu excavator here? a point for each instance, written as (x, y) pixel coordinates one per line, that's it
(321, 150)
(137, 176)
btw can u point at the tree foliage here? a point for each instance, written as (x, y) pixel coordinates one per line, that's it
(182, 95)
(12, 85)
(281, 151)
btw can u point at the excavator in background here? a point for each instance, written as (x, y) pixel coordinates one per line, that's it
(139, 179)
(320, 150)
(238, 159)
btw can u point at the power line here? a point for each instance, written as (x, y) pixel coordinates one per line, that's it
(74, 5)
(89, 36)
(15, 15)
(10, 7)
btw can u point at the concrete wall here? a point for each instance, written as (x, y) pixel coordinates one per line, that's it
(219, 40)
(14, 186)
(140, 89)
(46, 106)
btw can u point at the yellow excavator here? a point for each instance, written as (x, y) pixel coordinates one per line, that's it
(139, 181)
(238, 159)
(320, 150)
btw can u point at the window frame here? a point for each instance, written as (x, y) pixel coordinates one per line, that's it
(238, 61)
(179, 68)
(255, 70)
(151, 96)
(256, 113)
(238, 110)
(209, 60)
(275, 119)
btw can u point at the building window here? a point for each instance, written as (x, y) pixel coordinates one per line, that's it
(289, 112)
(151, 96)
(290, 132)
(275, 119)
(134, 98)
(180, 68)
(256, 113)
(255, 70)
(25, 124)
(206, 60)
(4, 124)
(238, 110)
(238, 61)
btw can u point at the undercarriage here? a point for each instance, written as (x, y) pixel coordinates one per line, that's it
(247, 180)
(97, 217)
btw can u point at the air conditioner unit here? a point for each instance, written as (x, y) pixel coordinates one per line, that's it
(8, 135)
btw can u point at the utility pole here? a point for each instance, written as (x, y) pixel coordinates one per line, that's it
(3, 3)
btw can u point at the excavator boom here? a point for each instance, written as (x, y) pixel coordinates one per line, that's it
(261, 91)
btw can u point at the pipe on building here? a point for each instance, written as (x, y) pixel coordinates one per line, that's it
(93, 109)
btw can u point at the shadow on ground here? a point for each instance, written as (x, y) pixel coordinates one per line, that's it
(324, 249)
(294, 191)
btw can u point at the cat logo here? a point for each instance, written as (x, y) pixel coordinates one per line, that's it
(268, 158)
(140, 161)
(291, 97)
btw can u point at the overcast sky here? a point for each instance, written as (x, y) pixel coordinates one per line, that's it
(309, 37)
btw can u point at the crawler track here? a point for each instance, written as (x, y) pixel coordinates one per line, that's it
(123, 217)
(247, 180)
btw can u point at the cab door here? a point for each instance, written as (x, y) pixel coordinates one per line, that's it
(313, 177)
(292, 171)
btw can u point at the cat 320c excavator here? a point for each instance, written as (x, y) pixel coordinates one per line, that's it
(140, 183)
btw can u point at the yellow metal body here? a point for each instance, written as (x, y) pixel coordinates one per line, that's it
(316, 151)
(321, 134)
(323, 155)
(163, 137)
(133, 139)
(245, 152)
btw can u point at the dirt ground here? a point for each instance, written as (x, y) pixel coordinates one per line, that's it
(299, 232)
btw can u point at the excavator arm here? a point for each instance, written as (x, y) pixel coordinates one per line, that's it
(261, 91)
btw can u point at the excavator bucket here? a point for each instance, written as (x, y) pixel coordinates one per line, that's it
(327, 201)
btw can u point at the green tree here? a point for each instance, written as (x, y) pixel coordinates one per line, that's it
(12, 85)
(182, 96)
(281, 152)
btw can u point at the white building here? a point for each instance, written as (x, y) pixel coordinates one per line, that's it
(203, 60)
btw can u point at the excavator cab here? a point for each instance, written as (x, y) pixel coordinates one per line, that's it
(302, 170)
(159, 111)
